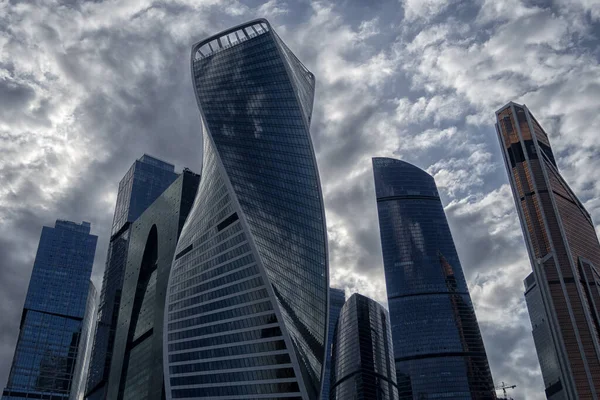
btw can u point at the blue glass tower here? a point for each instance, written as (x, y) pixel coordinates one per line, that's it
(337, 298)
(438, 347)
(52, 324)
(247, 301)
(145, 181)
(362, 354)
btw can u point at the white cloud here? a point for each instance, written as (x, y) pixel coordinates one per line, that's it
(424, 9)
(440, 108)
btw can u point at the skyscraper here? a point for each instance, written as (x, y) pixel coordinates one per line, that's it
(363, 355)
(438, 347)
(337, 298)
(136, 370)
(147, 179)
(248, 292)
(52, 324)
(564, 252)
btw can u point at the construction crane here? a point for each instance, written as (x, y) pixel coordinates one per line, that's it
(503, 386)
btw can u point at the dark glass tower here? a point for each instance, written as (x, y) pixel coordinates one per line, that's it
(52, 324)
(542, 338)
(337, 298)
(136, 371)
(147, 179)
(363, 355)
(438, 347)
(248, 292)
(85, 345)
(565, 256)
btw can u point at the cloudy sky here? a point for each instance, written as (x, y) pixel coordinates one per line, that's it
(86, 87)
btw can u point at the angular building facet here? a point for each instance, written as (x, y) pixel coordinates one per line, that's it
(85, 345)
(247, 302)
(542, 338)
(438, 347)
(53, 321)
(337, 298)
(362, 353)
(136, 371)
(147, 179)
(565, 256)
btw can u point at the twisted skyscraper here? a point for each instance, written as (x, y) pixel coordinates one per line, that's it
(563, 293)
(247, 302)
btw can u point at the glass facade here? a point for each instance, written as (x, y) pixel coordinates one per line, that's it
(564, 252)
(337, 298)
(85, 345)
(438, 347)
(248, 292)
(362, 354)
(136, 371)
(147, 179)
(53, 325)
(542, 337)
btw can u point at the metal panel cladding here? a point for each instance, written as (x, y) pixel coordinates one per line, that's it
(363, 355)
(564, 252)
(248, 292)
(438, 347)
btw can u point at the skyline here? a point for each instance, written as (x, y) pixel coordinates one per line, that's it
(352, 248)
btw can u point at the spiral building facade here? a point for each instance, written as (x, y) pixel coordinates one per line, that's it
(247, 300)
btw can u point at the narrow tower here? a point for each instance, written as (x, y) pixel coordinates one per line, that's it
(337, 298)
(145, 180)
(564, 251)
(438, 347)
(136, 371)
(363, 356)
(247, 301)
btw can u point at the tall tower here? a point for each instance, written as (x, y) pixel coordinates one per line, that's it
(136, 371)
(53, 321)
(337, 298)
(564, 252)
(363, 356)
(147, 179)
(85, 345)
(437, 343)
(247, 301)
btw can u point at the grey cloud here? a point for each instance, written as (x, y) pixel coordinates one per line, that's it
(14, 95)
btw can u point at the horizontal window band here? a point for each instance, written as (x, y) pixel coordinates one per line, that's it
(360, 371)
(426, 294)
(408, 197)
(438, 355)
(184, 252)
(227, 221)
